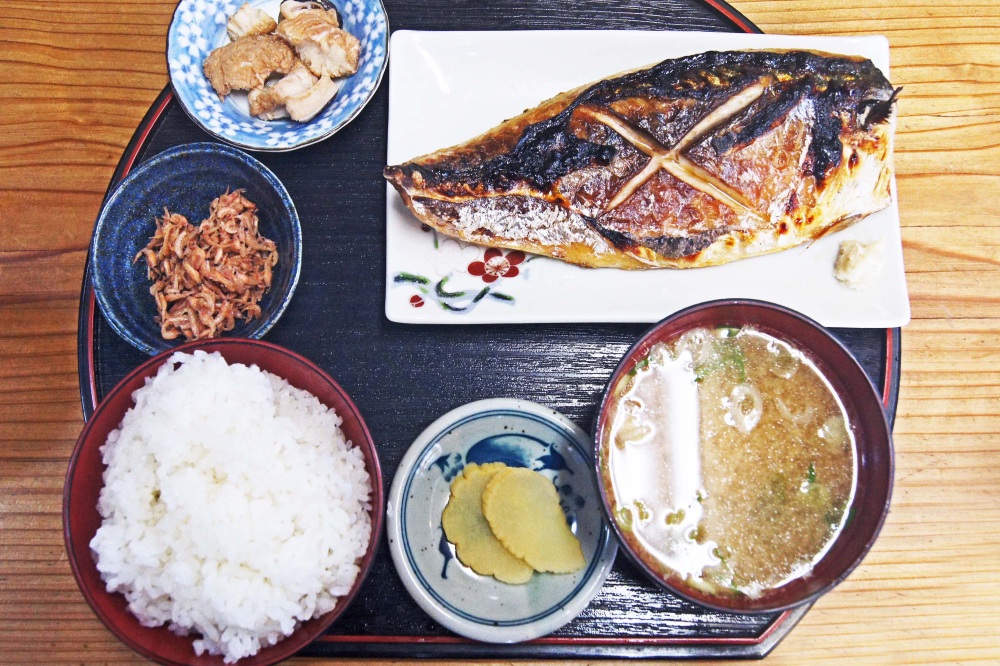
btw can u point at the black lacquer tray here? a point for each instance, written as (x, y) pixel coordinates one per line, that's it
(403, 377)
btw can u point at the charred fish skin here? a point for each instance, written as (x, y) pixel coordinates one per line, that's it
(694, 161)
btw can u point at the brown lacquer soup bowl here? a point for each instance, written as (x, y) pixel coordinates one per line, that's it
(744, 457)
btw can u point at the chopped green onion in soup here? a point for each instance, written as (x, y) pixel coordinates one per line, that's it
(729, 441)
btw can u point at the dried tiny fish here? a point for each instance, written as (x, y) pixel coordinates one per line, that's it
(207, 277)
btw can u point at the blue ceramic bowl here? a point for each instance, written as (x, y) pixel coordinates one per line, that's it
(185, 180)
(520, 434)
(199, 26)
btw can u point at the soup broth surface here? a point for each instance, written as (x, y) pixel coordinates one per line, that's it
(731, 461)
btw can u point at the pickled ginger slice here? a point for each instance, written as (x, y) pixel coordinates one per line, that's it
(465, 526)
(522, 508)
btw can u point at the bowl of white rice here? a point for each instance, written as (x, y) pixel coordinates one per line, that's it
(223, 504)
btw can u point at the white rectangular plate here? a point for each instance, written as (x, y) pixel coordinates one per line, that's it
(446, 87)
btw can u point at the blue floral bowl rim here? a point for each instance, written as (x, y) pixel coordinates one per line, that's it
(155, 162)
(382, 69)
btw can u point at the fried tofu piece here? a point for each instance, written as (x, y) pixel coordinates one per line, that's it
(249, 21)
(322, 45)
(268, 102)
(303, 107)
(246, 63)
(289, 8)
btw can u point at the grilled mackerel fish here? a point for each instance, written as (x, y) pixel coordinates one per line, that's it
(696, 161)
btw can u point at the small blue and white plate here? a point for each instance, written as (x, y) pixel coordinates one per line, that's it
(199, 26)
(520, 434)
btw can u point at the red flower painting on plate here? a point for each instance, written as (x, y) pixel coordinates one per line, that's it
(496, 264)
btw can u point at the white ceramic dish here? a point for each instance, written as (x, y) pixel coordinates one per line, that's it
(517, 432)
(446, 87)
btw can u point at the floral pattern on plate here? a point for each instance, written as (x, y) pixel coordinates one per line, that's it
(495, 265)
(199, 26)
(477, 281)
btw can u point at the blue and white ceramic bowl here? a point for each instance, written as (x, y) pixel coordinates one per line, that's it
(199, 26)
(185, 179)
(518, 433)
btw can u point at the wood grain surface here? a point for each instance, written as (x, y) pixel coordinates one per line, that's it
(76, 78)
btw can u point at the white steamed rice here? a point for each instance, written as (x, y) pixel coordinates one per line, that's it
(233, 508)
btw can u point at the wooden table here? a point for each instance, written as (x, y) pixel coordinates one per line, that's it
(77, 76)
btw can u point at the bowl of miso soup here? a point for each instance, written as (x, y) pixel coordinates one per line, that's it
(744, 457)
